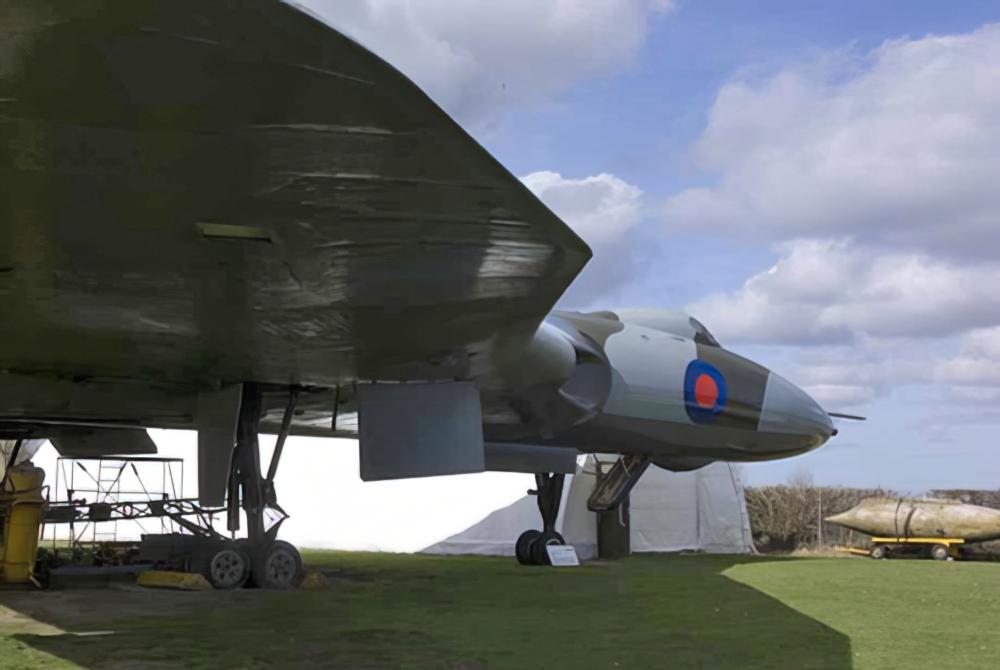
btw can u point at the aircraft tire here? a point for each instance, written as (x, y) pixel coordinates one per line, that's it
(538, 553)
(939, 552)
(228, 568)
(878, 551)
(522, 548)
(280, 567)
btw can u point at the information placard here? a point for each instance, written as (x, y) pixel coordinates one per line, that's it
(562, 555)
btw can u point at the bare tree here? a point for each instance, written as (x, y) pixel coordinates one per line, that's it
(788, 517)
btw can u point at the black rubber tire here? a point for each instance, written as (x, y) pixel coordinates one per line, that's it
(522, 548)
(878, 552)
(939, 552)
(278, 567)
(228, 568)
(539, 555)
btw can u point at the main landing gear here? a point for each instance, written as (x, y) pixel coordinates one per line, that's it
(262, 559)
(531, 545)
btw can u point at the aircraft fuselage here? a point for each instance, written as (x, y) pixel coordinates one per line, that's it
(673, 393)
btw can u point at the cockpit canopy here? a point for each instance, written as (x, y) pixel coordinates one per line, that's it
(675, 323)
(701, 334)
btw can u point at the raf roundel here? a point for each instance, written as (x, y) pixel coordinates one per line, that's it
(705, 391)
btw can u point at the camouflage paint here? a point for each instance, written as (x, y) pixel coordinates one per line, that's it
(202, 192)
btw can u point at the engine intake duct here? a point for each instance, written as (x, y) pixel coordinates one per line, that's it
(561, 379)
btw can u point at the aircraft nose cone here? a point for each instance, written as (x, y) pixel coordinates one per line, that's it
(842, 518)
(789, 410)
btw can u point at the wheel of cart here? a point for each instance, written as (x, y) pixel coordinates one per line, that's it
(879, 551)
(940, 552)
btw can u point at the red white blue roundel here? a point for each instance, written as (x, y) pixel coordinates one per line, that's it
(705, 391)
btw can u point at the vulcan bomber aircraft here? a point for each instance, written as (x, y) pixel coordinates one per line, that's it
(229, 217)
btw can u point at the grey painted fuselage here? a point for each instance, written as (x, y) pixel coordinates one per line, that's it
(654, 360)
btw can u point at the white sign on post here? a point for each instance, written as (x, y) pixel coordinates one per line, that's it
(562, 555)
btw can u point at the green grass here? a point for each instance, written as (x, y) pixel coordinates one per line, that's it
(394, 611)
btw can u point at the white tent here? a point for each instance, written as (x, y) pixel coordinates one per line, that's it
(670, 511)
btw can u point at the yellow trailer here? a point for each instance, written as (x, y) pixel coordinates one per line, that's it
(855, 551)
(939, 548)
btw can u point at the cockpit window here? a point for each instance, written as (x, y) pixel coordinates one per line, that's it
(701, 334)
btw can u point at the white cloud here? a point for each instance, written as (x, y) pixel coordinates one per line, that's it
(824, 291)
(605, 211)
(897, 147)
(866, 370)
(479, 56)
(840, 396)
(977, 363)
(976, 398)
(875, 176)
(600, 209)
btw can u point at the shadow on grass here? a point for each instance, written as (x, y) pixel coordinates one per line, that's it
(427, 612)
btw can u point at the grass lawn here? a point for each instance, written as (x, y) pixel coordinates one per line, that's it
(394, 611)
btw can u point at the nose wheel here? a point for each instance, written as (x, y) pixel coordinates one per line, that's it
(524, 544)
(530, 548)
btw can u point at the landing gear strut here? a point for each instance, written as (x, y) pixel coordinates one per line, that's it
(273, 564)
(531, 545)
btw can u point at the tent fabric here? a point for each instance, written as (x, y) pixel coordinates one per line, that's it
(496, 533)
(28, 450)
(701, 510)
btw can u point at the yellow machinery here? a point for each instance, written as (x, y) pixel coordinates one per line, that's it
(21, 509)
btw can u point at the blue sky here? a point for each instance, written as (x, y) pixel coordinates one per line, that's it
(814, 181)
(624, 123)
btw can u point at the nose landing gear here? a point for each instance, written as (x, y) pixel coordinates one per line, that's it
(610, 491)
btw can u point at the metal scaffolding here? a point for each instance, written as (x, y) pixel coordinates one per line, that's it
(113, 499)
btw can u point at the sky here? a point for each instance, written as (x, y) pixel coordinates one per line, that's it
(816, 182)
